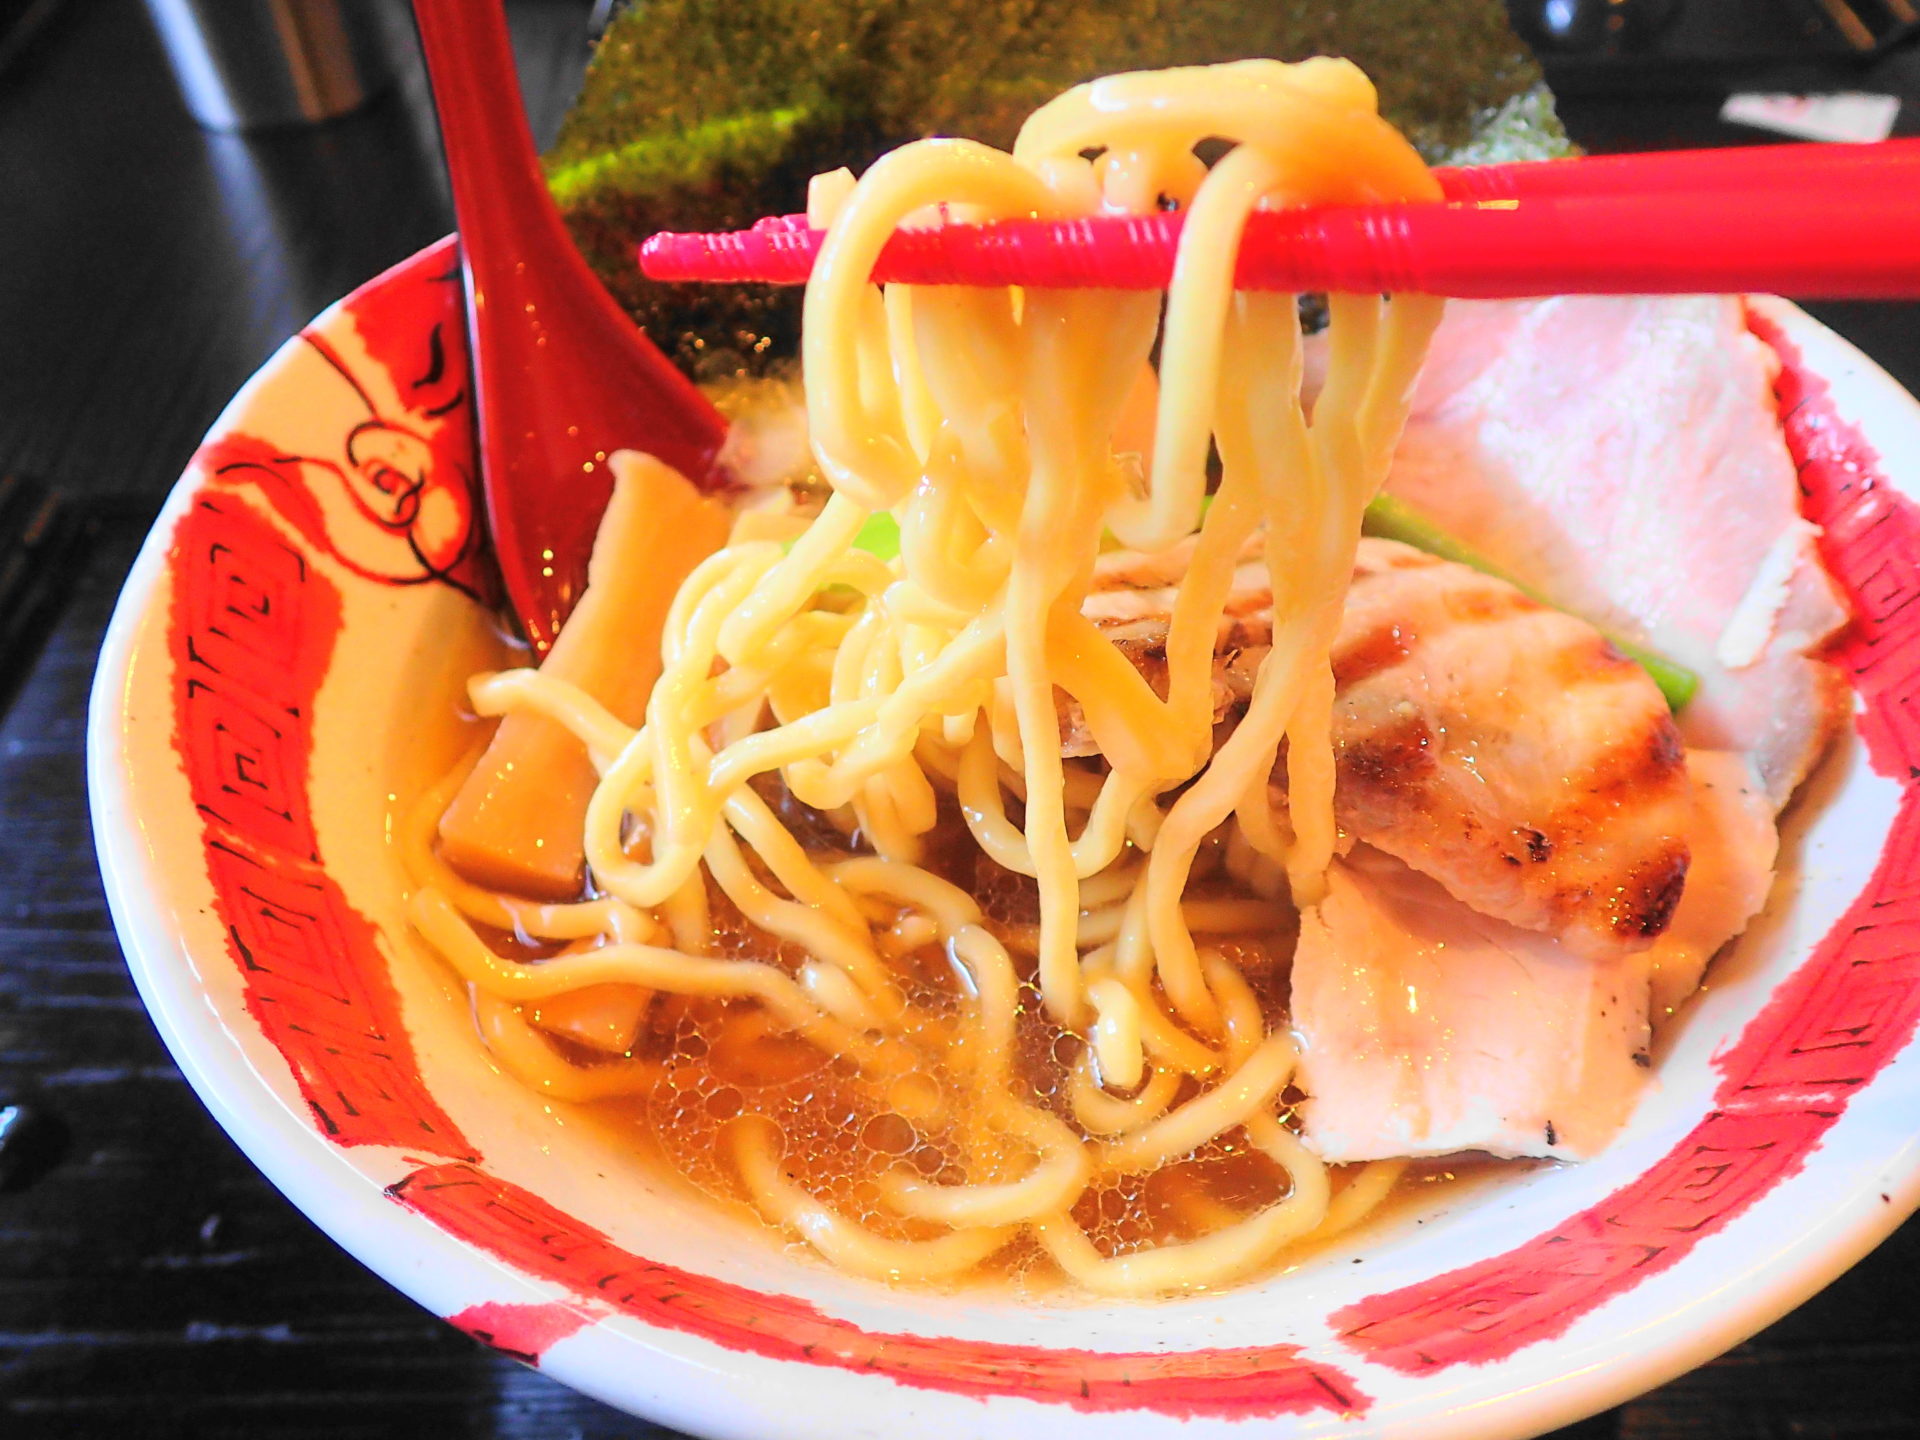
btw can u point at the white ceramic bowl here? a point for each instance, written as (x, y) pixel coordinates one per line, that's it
(274, 678)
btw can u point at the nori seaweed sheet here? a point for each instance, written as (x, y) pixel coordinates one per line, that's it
(707, 114)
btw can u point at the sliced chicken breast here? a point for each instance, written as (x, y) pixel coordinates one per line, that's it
(1507, 750)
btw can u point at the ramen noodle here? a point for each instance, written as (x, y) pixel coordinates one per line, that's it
(870, 954)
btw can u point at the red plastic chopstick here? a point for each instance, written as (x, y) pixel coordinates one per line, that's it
(1835, 168)
(1809, 221)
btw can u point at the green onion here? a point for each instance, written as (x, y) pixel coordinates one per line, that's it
(1394, 519)
(879, 535)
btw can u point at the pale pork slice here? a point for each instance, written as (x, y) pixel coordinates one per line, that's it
(1428, 1028)
(1623, 457)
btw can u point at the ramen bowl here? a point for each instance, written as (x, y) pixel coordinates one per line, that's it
(282, 677)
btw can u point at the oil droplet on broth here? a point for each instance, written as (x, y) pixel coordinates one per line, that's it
(915, 1095)
(889, 1133)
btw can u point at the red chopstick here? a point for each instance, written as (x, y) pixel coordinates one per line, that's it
(1663, 172)
(1830, 222)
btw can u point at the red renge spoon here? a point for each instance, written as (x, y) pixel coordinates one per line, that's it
(562, 376)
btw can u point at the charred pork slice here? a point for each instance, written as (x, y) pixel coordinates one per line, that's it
(1501, 747)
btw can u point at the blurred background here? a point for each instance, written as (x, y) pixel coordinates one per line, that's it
(151, 1283)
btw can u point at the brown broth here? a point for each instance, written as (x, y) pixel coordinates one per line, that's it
(841, 1132)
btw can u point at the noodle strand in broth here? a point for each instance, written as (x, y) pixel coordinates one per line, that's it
(913, 702)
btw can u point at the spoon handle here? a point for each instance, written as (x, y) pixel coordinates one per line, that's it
(489, 148)
(562, 376)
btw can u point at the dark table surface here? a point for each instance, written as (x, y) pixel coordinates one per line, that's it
(151, 1283)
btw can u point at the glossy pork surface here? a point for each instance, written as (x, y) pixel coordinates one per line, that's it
(1508, 751)
(1501, 747)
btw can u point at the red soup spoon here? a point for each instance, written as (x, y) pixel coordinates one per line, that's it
(562, 376)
